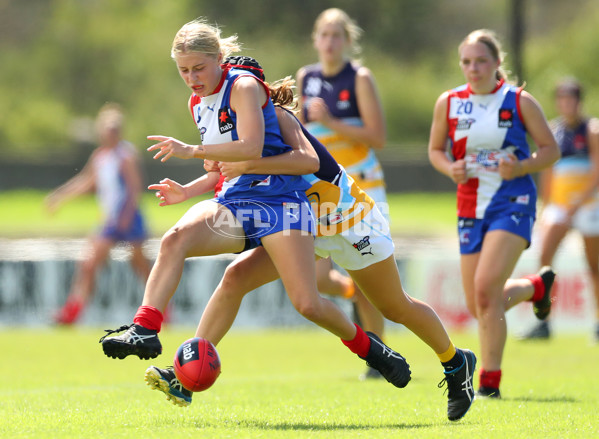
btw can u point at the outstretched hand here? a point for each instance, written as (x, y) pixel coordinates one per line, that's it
(168, 147)
(169, 192)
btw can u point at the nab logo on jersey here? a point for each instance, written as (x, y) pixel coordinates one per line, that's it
(343, 100)
(506, 118)
(225, 123)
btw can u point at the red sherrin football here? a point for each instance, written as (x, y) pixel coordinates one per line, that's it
(196, 364)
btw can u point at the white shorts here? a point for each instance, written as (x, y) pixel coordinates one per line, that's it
(585, 220)
(379, 196)
(367, 243)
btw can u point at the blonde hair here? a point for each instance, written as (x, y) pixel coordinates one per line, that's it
(352, 31)
(110, 116)
(489, 39)
(281, 93)
(199, 36)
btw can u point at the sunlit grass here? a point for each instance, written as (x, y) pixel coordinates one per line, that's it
(23, 214)
(284, 383)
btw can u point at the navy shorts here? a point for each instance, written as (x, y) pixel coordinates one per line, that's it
(472, 231)
(263, 216)
(135, 233)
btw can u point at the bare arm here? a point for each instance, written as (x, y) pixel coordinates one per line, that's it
(547, 150)
(301, 160)
(247, 98)
(81, 183)
(170, 192)
(299, 80)
(456, 170)
(373, 131)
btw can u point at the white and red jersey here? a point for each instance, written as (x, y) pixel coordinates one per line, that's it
(217, 123)
(483, 129)
(111, 187)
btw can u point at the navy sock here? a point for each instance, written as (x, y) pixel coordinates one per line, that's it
(455, 363)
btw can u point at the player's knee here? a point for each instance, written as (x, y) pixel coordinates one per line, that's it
(391, 312)
(88, 267)
(483, 300)
(471, 307)
(173, 239)
(307, 307)
(233, 280)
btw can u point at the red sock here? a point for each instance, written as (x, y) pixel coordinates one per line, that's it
(360, 344)
(148, 317)
(490, 378)
(70, 311)
(538, 285)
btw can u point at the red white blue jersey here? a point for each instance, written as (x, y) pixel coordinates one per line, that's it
(217, 123)
(111, 187)
(482, 130)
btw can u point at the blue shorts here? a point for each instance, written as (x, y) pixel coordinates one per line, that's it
(135, 233)
(263, 216)
(472, 231)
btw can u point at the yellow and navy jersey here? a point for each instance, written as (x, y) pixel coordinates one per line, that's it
(339, 94)
(572, 174)
(337, 201)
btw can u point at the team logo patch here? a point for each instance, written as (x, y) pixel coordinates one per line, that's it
(506, 118)
(313, 86)
(264, 182)
(334, 218)
(225, 123)
(465, 237)
(343, 100)
(464, 124)
(521, 199)
(362, 246)
(465, 223)
(580, 141)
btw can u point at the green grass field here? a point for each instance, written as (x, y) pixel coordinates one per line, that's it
(23, 215)
(286, 384)
(276, 383)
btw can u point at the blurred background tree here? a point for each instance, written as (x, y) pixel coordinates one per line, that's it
(60, 60)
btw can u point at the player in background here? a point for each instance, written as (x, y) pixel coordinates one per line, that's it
(237, 122)
(569, 190)
(113, 171)
(340, 106)
(352, 231)
(486, 121)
